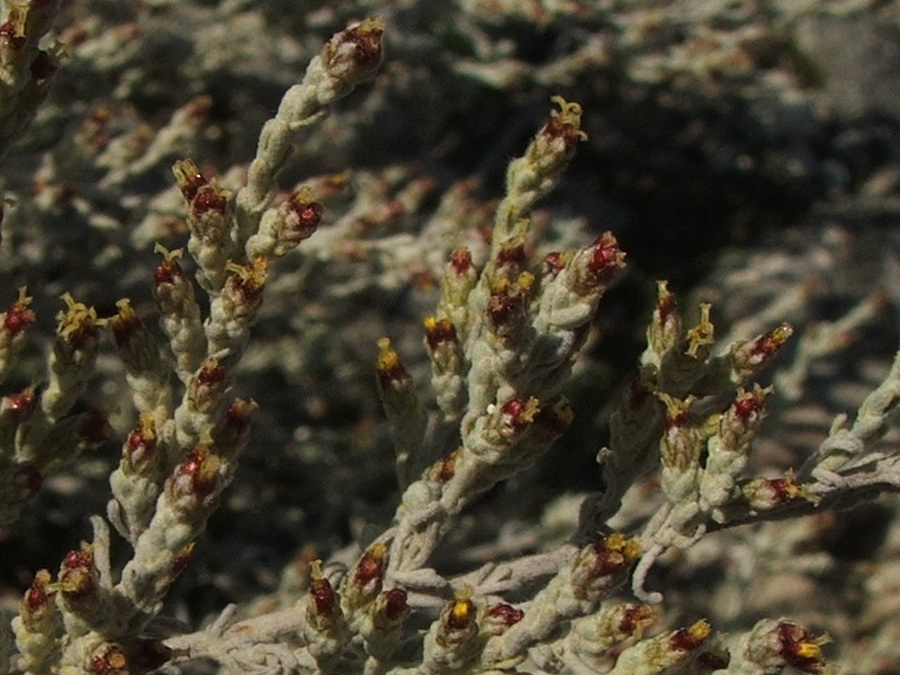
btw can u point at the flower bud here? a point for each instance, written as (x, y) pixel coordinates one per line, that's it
(598, 263)
(76, 328)
(764, 494)
(555, 143)
(665, 329)
(748, 357)
(195, 482)
(364, 582)
(688, 639)
(108, 659)
(323, 610)
(139, 451)
(553, 263)
(353, 55)
(438, 333)
(16, 319)
(283, 228)
(602, 566)
(498, 618)
(391, 606)
(507, 308)
(136, 345)
(179, 313)
(15, 409)
(168, 271)
(245, 286)
(233, 430)
(37, 607)
(564, 125)
(773, 645)
(800, 649)
(207, 387)
(444, 469)
(460, 262)
(301, 217)
(701, 336)
(79, 583)
(666, 651)
(458, 280)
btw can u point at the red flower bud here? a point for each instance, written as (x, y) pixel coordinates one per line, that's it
(767, 344)
(507, 307)
(677, 416)
(614, 554)
(12, 31)
(108, 659)
(140, 446)
(603, 565)
(18, 317)
(751, 355)
(168, 271)
(248, 281)
(553, 264)
(763, 494)
(78, 575)
(564, 124)
(370, 567)
(394, 604)
(688, 639)
(37, 604)
(189, 179)
(461, 261)
(306, 214)
(197, 477)
(606, 258)
(354, 54)
(518, 414)
(325, 600)
(20, 404)
(505, 614)
(635, 618)
(749, 406)
(209, 199)
(800, 648)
